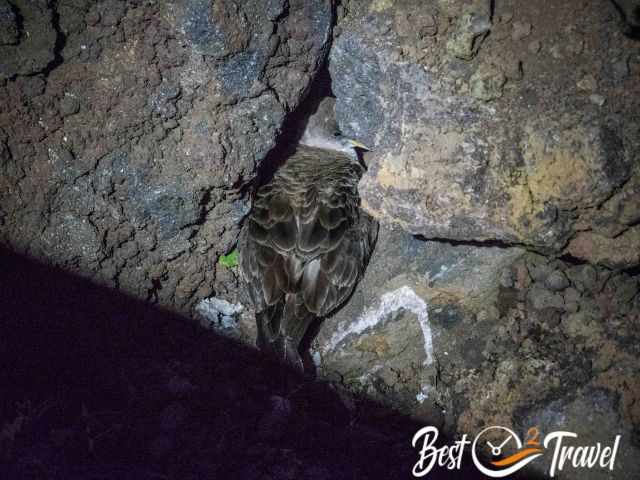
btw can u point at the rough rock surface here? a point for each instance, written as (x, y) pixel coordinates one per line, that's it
(463, 337)
(27, 37)
(126, 127)
(508, 125)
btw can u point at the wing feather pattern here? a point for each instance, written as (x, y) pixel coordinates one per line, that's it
(305, 242)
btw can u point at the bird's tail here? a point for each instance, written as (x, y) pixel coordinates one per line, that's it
(281, 329)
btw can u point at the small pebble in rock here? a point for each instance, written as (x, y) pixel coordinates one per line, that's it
(588, 83)
(69, 105)
(597, 99)
(159, 133)
(470, 30)
(487, 85)
(571, 300)
(170, 124)
(540, 298)
(584, 277)
(556, 281)
(539, 271)
(507, 278)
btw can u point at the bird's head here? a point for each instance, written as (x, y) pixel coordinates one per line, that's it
(349, 145)
(337, 142)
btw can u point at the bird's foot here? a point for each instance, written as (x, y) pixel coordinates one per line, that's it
(290, 354)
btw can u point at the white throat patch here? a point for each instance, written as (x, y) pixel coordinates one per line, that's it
(312, 139)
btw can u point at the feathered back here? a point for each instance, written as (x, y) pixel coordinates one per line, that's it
(306, 235)
(306, 243)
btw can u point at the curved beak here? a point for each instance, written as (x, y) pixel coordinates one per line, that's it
(358, 144)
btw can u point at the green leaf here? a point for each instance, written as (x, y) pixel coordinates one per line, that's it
(230, 260)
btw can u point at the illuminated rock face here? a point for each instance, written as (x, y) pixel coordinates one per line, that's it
(124, 127)
(526, 141)
(509, 144)
(463, 337)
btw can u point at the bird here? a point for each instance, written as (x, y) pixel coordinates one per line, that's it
(306, 242)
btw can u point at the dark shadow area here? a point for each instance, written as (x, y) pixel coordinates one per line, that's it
(61, 40)
(630, 17)
(96, 384)
(292, 130)
(19, 21)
